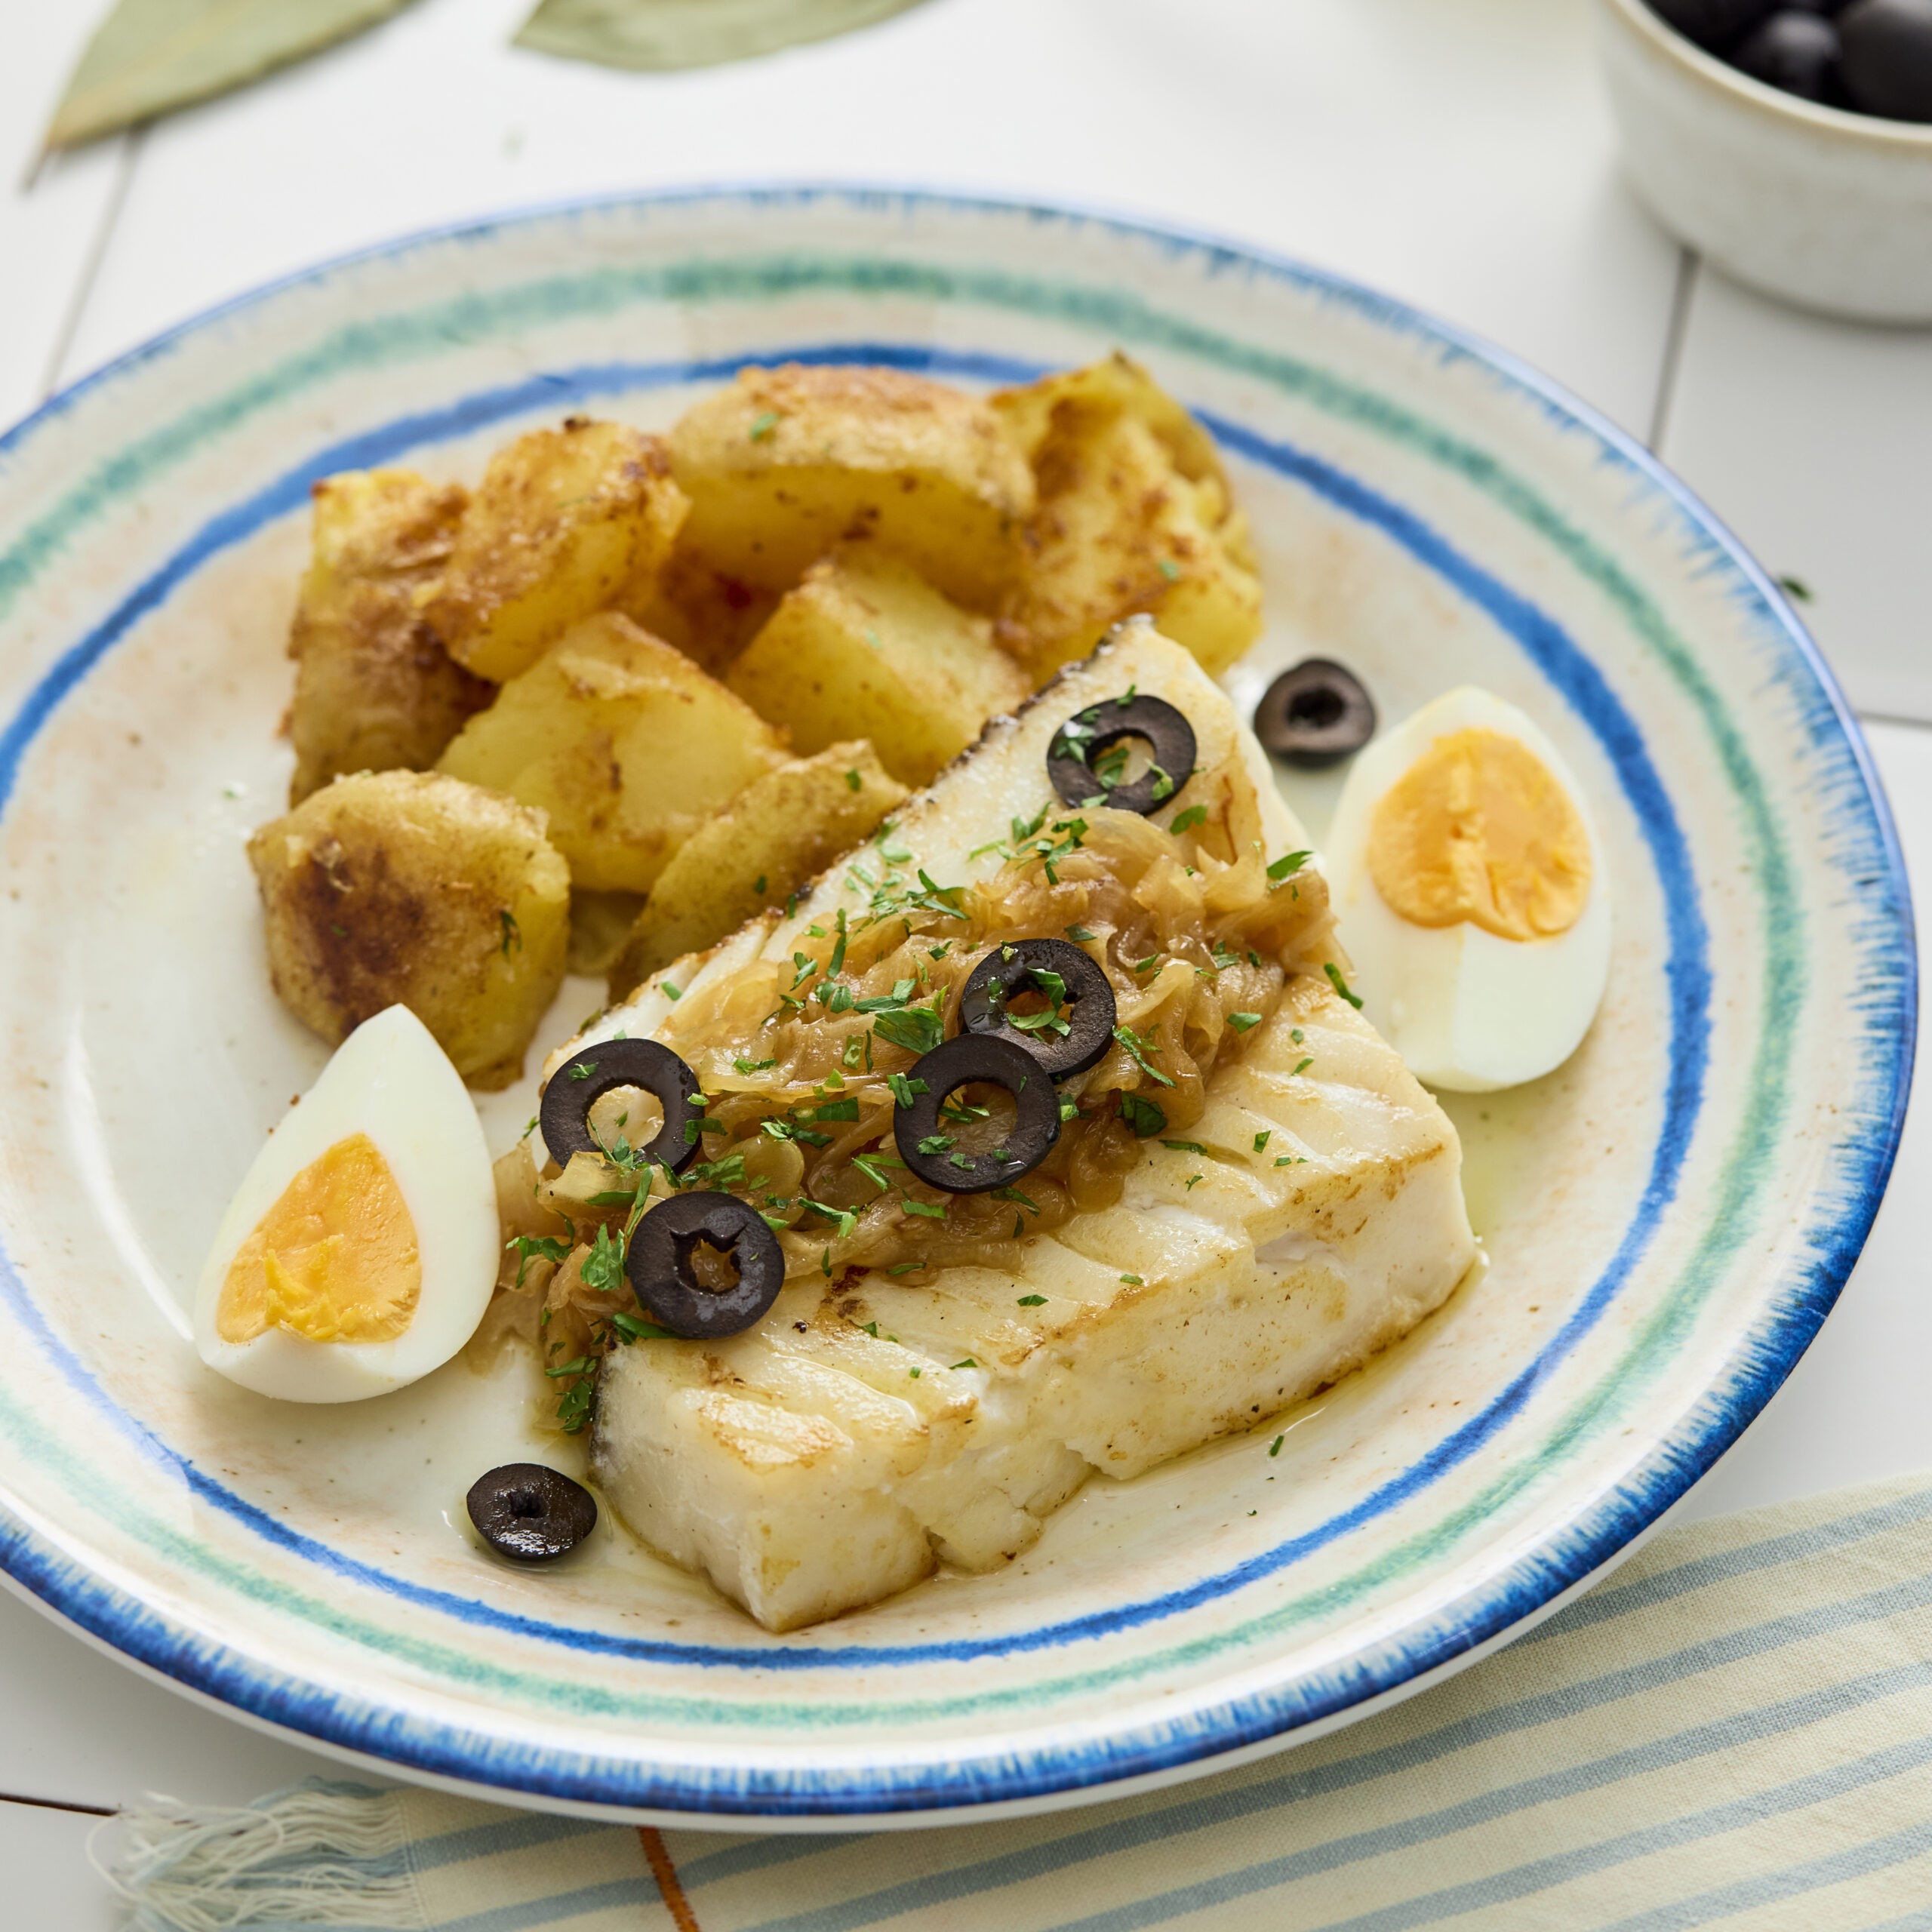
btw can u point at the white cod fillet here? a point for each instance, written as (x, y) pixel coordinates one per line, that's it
(809, 1466)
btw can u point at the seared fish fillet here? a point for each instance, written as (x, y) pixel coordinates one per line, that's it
(873, 1426)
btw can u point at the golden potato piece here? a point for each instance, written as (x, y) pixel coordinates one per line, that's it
(565, 522)
(409, 886)
(865, 645)
(782, 830)
(624, 744)
(786, 461)
(1134, 515)
(1117, 386)
(374, 689)
(708, 613)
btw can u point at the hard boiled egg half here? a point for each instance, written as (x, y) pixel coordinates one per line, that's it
(360, 1251)
(1467, 882)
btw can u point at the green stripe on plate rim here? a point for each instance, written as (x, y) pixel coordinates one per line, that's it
(1126, 318)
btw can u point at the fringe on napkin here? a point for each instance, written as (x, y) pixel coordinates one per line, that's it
(319, 1852)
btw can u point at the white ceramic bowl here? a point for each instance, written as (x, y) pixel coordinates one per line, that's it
(1830, 210)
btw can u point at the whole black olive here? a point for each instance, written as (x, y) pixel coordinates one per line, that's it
(1886, 61)
(928, 1149)
(592, 1072)
(662, 1265)
(1080, 743)
(1315, 715)
(530, 1514)
(1712, 22)
(1794, 50)
(1087, 1008)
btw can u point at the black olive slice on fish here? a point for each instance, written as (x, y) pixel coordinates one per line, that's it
(1087, 1009)
(1080, 743)
(530, 1514)
(929, 1149)
(592, 1072)
(663, 1266)
(1316, 714)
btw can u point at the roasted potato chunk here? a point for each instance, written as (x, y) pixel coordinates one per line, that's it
(565, 522)
(1134, 515)
(785, 461)
(781, 830)
(624, 743)
(412, 887)
(864, 645)
(708, 613)
(375, 691)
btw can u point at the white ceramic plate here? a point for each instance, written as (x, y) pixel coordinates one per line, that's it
(1669, 1216)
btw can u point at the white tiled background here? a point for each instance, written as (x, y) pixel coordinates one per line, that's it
(1455, 152)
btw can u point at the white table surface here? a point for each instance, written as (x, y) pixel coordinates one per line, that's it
(1456, 152)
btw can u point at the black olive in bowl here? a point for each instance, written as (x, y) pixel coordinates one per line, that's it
(1886, 61)
(1795, 51)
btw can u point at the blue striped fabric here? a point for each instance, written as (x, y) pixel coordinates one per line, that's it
(1736, 1731)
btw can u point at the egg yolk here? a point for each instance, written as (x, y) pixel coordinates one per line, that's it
(335, 1260)
(1478, 829)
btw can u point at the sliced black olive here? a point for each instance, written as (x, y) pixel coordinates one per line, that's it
(663, 1266)
(1088, 733)
(1316, 714)
(960, 1061)
(530, 1514)
(1086, 1009)
(592, 1072)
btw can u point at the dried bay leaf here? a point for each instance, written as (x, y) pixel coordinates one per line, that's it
(150, 57)
(662, 34)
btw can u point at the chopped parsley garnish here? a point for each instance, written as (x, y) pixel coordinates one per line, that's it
(968, 1363)
(1133, 1281)
(854, 781)
(1081, 934)
(763, 424)
(1288, 1160)
(1137, 1049)
(904, 1091)
(1241, 1022)
(757, 885)
(868, 1164)
(1032, 1301)
(847, 1220)
(917, 1028)
(903, 1268)
(1013, 1193)
(1170, 570)
(919, 1207)
(1261, 1140)
(630, 1329)
(1187, 820)
(673, 993)
(749, 1066)
(1144, 1115)
(1193, 1180)
(1302, 1067)
(1340, 985)
(935, 1144)
(1184, 1146)
(847, 1109)
(1296, 1035)
(1287, 867)
(583, 1069)
(1274, 1448)
(603, 1268)
(513, 933)
(539, 1248)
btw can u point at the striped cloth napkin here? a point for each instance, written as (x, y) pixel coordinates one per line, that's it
(1735, 1729)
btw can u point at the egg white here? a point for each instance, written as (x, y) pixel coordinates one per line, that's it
(391, 1081)
(1469, 1011)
